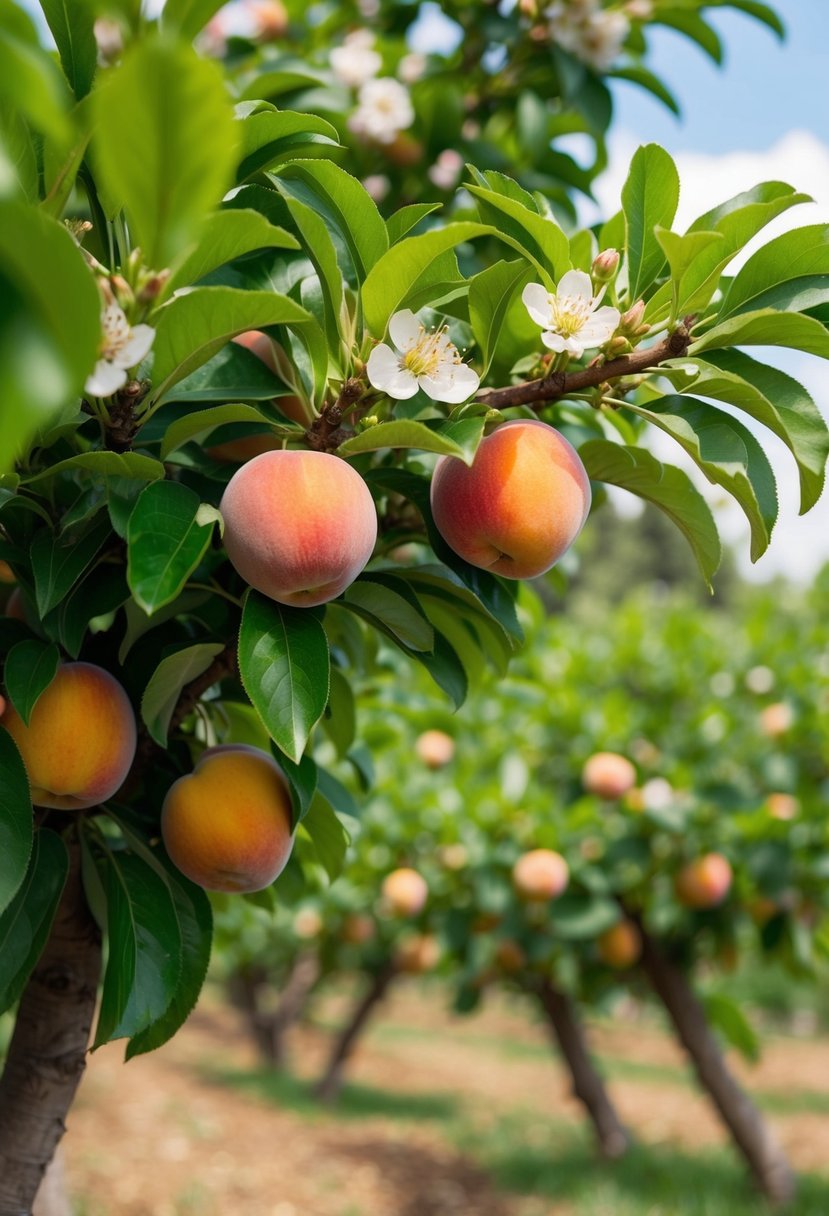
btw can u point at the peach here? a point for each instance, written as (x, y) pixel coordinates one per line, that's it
(7, 575)
(308, 923)
(357, 929)
(414, 955)
(15, 607)
(2, 706)
(80, 741)
(435, 748)
(620, 945)
(704, 882)
(227, 825)
(453, 856)
(776, 719)
(608, 775)
(540, 874)
(510, 957)
(782, 806)
(299, 526)
(404, 892)
(520, 504)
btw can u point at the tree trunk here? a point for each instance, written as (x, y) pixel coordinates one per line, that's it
(269, 1028)
(328, 1087)
(763, 1154)
(588, 1085)
(47, 1053)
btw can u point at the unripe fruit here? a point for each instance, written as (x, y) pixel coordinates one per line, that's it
(608, 775)
(540, 874)
(404, 892)
(520, 504)
(227, 825)
(80, 741)
(435, 748)
(621, 945)
(704, 882)
(417, 954)
(299, 526)
(357, 929)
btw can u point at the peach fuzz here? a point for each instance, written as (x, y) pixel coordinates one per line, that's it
(435, 748)
(80, 741)
(299, 526)
(608, 775)
(519, 506)
(540, 874)
(621, 945)
(227, 825)
(404, 892)
(704, 882)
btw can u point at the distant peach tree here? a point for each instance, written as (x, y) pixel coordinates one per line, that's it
(171, 593)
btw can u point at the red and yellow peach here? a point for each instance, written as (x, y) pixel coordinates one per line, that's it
(704, 882)
(404, 892)
(608, 775)
(541, 874)
(621, 945)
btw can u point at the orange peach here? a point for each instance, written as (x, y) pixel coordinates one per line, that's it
(227, 825)
(2, 706)
(404, 892)
(299, 526)
(704, 882)
(237, 451)
(776, 719)
(308, 923)
(520, 504)
(782, 806)
(435, 748)
(608, 775)
(357, 929)
(6, 573)
(414, 955)
(621, 945)
(540, 874)
(80, 741)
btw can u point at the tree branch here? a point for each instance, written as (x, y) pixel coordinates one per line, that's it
(561, 384)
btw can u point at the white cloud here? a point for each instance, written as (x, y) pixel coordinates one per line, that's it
(800, 545)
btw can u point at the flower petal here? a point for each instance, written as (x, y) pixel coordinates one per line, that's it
(576, 285)
(554, 341)
(136, 347)
(536, 299)
(105, 380)
(404, 329)
(453, 386)
(384, 372)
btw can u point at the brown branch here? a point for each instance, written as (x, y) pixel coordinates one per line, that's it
(326, 432)
(561, 384)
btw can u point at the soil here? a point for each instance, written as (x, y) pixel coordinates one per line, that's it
(163, 1136)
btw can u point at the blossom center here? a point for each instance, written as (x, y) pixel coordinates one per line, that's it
(569, 315)
(428, 353)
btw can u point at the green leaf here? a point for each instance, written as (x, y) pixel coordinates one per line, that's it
(105, 586)
(15, 820)
(231, 373)
(268, 135)
(26, 922)
(104, 465)
(344, 204)
(649, 200)
(327, 834)
(668, 488)
(403, 434)
(317, 242)
(72, 25)
(406, 218)
(201, 422)
(144, 960)
(188, 17)
(50, 324)
(167, 681)
(59, 561)
(761, 12)
(138, 623)
(726, 1016)
(165, 543)
(766, 328)
(645, 79)
(391, 605)
(31, 81)
(537, 237)
(165, 153)
(30, 669)
(727, 453)
(339, 722)
(193, 327)
(682, 252)
(773, 398)
(577, 917)
(284, 665)
(694, 27)
(804, 251)
(302, 779)
(491, 293)
(224, 236)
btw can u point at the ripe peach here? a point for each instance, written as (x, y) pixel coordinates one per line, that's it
(620, 945)
(414, 955)
(308, 923)
(2, 706)
(435, 748)
(6, 573)
(776, 719)
(227, 825)
(704, 882)
(782, 806)
(299, 526)
(608, 775)
(357, 929)
(520, 504)
(540, 874)
(80, 741)
(453, 856)
(404, 892)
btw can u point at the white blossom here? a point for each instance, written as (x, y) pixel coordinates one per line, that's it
(411, 67)
(122, 347)
(585, 29)
(446, 171)
(569, 317)
(384, 109)
(424, 359)
(356, 61)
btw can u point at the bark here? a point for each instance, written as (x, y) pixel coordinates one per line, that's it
(763, 1154)
(269, 1028)
(47, 1053)
(588, 1086)
(330, 1084)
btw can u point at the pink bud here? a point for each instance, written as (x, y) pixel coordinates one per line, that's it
(605, 266)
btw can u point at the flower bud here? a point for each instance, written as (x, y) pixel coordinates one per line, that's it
(122, 291)
(529, 8)
(639, 10)
(617, 346)
(152, 287)
(630, 321)
(605, 266)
